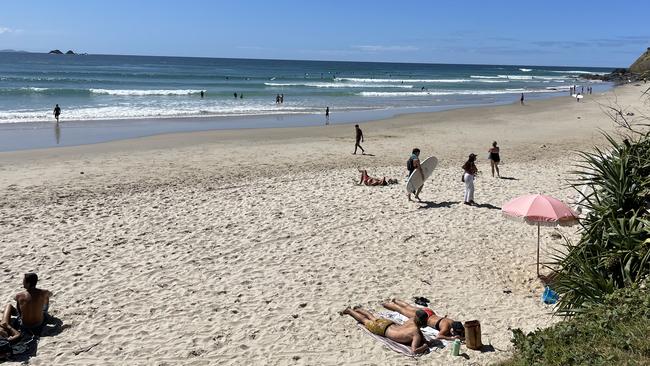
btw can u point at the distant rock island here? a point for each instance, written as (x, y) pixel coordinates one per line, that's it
(58, 52)
(14, 51)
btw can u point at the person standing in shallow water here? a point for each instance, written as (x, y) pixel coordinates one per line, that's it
(469, 172)
(57, 112)
(521, 100)
(358, 139)
(327, 115)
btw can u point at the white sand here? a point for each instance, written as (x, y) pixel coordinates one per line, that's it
(240, 247)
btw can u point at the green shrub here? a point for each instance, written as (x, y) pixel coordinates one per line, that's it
(614, 249)
(614, 332)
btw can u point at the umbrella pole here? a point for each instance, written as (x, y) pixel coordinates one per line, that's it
(537, 249)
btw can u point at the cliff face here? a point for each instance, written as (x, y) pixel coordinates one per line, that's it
(642, 64)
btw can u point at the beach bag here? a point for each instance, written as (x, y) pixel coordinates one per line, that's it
(473, 334)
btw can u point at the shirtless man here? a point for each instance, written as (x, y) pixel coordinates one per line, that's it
(358, 140)
(31, 305)
(408, 333)
(448, 328)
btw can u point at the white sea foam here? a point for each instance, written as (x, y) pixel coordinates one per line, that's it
(342, 85)
(526, 70)
(144, 92)
(35, 89)
(371, 80)
(579, 72)
(450, 92)
(485, 77)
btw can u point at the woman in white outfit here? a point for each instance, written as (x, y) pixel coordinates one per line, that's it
(468, 177)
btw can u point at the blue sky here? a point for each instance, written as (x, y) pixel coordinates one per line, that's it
(576, 33)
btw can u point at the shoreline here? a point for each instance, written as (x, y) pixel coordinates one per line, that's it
(253, 240)
(17, 136)
(199, 128)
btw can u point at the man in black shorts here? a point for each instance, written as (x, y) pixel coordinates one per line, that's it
(359, 139)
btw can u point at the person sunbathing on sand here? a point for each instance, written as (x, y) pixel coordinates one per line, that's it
(408, 333)
(448, 328)
(370, 181)
(31, 306)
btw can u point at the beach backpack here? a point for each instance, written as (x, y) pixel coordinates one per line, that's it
(409, 165)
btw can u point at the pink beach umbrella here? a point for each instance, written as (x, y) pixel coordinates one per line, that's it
(538, 209)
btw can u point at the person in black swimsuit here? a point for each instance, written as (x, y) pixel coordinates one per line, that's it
(494, 158)
(448, 329)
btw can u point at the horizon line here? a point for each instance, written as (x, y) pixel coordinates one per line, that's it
(303, 60)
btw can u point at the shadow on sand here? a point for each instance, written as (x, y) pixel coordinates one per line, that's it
(509, 178)
(27, 347)
(431, 204)
(487, 205)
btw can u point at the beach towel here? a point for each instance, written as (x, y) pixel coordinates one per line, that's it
(429, 333)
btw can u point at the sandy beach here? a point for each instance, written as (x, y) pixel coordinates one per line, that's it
(240, 247)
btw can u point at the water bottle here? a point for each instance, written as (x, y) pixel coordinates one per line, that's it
(455, 348)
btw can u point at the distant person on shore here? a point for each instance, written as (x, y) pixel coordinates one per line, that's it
(235, 94)
(412, 165)
(358, 140)
(495, 159)
(327, 115)
(31, 306)
(408, 333)
(469, 173)
(447, 328)
(281, 98)
(521, 100)
(277, 99)
(57, 112)
(578, 97)
(370, 181)
(202, 94)
(241, 95)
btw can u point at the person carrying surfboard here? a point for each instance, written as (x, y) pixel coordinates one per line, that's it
(412, 165)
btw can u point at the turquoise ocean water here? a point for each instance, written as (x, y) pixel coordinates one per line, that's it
(95, 87)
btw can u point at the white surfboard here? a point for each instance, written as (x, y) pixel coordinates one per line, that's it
(574, 95)
(415, 180)
(580, 96)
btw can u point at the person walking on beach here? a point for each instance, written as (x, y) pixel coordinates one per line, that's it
(494, 158)
(469, 172)
(57, 112)
(521, 100)
(358, 140)
(412, 165)
(327, 115)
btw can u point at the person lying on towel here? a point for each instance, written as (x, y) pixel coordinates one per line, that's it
(370, 181)
(448, 329)
(408, 333)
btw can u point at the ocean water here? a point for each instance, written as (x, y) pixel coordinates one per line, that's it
(106, 87)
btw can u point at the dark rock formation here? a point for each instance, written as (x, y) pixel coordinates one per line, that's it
(56, 52)
(70, 52)
(640, 70)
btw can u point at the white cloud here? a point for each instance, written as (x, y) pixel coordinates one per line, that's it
(5, 30)
(380, 48)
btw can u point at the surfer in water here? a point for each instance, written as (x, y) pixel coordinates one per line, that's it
(57, 112)
(414, 164)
